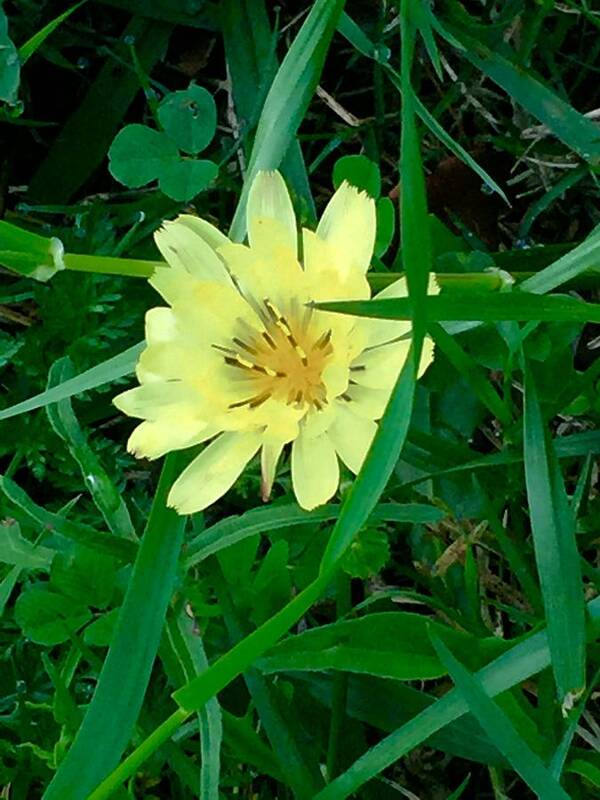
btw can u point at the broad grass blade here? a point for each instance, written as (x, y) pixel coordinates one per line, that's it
(556, 554)
(288, 98)
(111, 716)
(499, 728)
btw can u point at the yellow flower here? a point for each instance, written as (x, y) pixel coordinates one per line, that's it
(239, 358)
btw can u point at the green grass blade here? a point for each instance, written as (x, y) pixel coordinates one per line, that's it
(524, 87)
(581, 258)
(476, 306)
(288, 98)
(103, 491)
(499, 728)
(518, 664)
(556, 553)
(111, 716)
(31, 45)
(123, 549)
(228, 531)
(109, 370)
(472, 372)
(188, 648)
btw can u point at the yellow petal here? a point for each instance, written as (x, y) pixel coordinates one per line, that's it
(154, 439)
(381, 331)
(269, 458)
(153, 400)
(379, 367)
(213, 472)
(351, 437)
(161, 326)
(315, 470)
(327, 271)
(367, 403)
(348, 224)
(426, 355)
(183, 248)
(211, 235)
(269, 199)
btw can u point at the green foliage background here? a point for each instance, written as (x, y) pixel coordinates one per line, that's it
(434, 630)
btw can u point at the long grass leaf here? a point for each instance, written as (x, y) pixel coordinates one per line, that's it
(476, 306)
(556, 553)
(581, 258)
(288, 98)
(518, 664)
(109, 370)
(499, 728)
(111, 716)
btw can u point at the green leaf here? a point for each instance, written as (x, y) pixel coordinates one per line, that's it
(140, 154)
(392, 644)
(20, 552)
(476, 306)
(272, 585)
(30, 254)
(556, 553)
(358, 171)
(111, 716)
(101, 630)
(183, 179)
(10, 66)
(189, 118)
(106, 372)
(47, 617)
(367, 554)
(84, 575)
(500, 729)
(103, 491)
(288, 98)
(386, 225)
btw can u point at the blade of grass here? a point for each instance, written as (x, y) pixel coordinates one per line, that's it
(103, 491)
(189, 651)
(499, 728)
(288, 98)
(472, 372)
(574, 129)
(583, 257)
(27, 49)
(109, 370)
(111, 716)
(123, 549)
(476, 306)
(521, 662)
(557, 557)
(228, 531)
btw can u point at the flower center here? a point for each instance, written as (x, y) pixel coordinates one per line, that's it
(284, 361)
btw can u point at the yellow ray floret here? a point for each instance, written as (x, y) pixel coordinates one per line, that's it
(240, 359)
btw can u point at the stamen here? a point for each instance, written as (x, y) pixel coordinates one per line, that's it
(358, 368)
(269, 341)
(252, 402)
(241, 343)
(346, 397)
(237, 361)
(322, 341)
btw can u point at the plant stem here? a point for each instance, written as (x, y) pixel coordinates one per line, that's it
(109, 265)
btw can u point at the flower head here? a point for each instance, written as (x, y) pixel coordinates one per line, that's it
(240, 358)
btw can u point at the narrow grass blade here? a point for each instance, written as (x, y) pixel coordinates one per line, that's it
(472, 372)
(417, 249)
(556, 553)
(228, 531)
(574, 129)
(288, 98)
(107, 371)
(103, 491)
(111, 716)
(122, 549)
(31, 45)
(583, 257)
(518, 664)
(499, 728)
(189, 651)
(476, 306)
